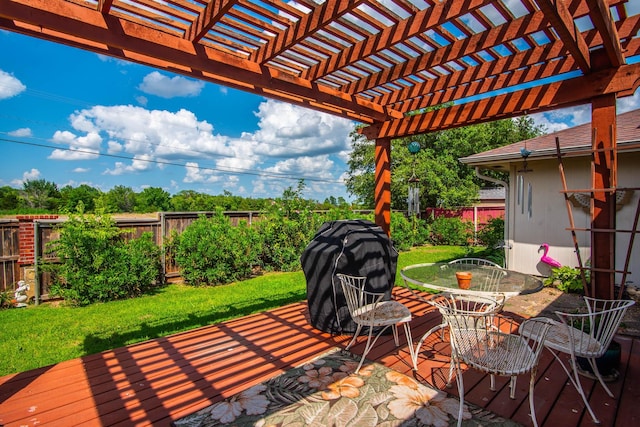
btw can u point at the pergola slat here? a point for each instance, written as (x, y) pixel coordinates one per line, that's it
(601, 18)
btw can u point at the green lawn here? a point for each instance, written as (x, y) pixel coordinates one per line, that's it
(42, 335)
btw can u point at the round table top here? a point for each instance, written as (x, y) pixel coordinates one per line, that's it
(442, 277)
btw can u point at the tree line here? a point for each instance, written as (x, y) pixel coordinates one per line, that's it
(38, 196)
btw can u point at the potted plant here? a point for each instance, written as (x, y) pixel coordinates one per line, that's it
(565, 278)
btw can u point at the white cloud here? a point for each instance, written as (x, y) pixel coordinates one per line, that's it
(286, 130)
(195, 174)
(564, 118)
(80, 147)
(30, 175)
(114, 147)
(138, 164)
(10, 86)
(153, 135)
(291, 141)
(629, 103)
(318, 167)
(81, 170)
(24, 132)
(160, 85)
(106, 58)
(142, 100)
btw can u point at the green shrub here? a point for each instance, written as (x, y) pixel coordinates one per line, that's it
(6, 299)
(408, 232)
(211, 251)
(98, 264)
(284, 239)
(565, 278)
(450, 231)
(492, 233)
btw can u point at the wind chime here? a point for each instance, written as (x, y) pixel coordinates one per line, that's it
(413, 198)
(520, 187)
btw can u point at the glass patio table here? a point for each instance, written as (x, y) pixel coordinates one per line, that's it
(485, 280)
(488, 283)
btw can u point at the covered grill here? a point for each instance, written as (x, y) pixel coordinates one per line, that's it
(354, 247)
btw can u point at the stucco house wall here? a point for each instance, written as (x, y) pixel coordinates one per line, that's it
(536, 210)
(547, 220)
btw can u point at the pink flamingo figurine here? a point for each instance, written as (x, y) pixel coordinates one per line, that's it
(547, 259)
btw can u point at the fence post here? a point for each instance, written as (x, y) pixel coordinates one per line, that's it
(29, 252)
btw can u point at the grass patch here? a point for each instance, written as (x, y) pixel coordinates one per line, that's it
(50, 333)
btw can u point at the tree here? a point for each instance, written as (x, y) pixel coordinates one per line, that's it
(361, 164)
(40, 194)
(444, 181)
(153, 199)
(118, 199)
(71, 196)
(9, 198)
(192, 201)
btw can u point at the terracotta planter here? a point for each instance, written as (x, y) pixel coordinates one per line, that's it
(464, 279)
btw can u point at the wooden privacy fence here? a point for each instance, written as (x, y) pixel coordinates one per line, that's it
(9, 254)
(162, 228)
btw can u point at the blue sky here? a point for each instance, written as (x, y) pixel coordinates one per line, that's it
(74, 117)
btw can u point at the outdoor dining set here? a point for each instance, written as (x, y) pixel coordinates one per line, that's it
(481, 336)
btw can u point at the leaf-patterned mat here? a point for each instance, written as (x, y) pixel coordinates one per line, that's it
(325, 392)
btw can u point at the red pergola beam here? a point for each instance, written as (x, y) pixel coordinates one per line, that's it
(562, 21)
(580, 90)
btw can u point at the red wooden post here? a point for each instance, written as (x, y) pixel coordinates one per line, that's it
(603, 214)
(383, 184)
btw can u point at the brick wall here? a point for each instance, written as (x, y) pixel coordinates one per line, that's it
(27, 238)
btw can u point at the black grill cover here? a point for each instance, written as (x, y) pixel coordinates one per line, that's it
(354, 247)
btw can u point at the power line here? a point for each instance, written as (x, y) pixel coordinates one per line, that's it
(229, 171)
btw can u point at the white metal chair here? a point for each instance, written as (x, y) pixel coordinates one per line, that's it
(481, 342)
(464, 302)
(369, 309)
(585, 335)
(475, 261)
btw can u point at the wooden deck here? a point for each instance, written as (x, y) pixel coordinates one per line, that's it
(155, 382)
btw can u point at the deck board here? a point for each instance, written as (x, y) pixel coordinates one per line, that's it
(155, 382)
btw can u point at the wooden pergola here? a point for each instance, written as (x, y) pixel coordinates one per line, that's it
(383, 64)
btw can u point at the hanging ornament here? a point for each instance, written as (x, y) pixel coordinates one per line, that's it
(413, 198)
(525, 154)
(414, 147)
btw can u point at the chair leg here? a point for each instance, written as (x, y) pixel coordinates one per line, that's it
(574, 377)
(422, 340)
(395, 335)
(407, 332)
(460, 390)
(512, 386)
(355, 336)
(367, 347)
(532, 382)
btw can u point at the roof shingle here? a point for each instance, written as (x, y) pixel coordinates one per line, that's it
(575, 140)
